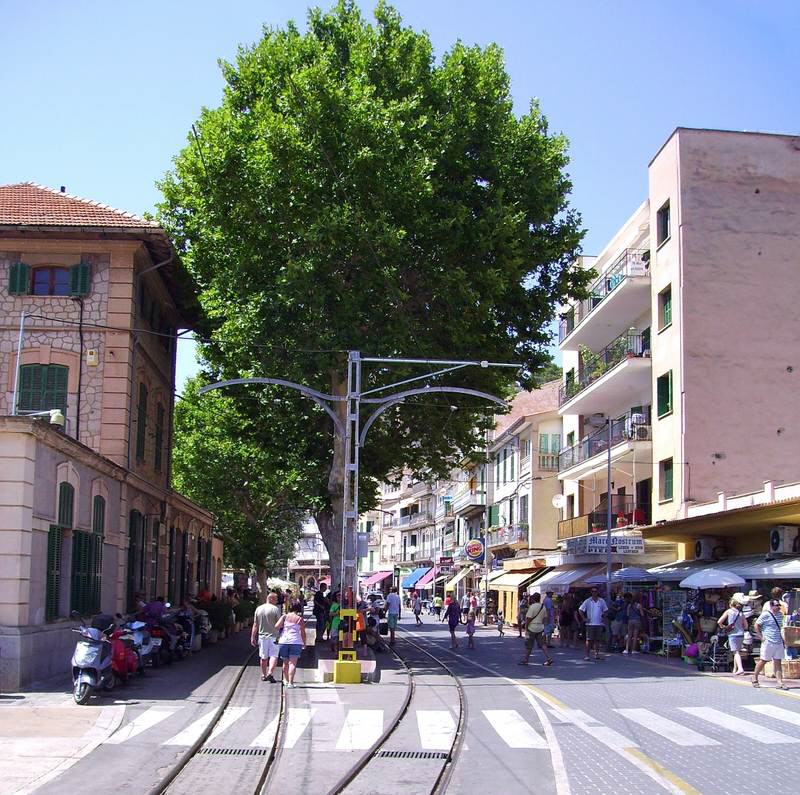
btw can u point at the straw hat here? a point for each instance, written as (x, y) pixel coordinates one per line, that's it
(754, 595)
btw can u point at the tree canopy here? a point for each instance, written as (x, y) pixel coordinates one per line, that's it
(352, 192)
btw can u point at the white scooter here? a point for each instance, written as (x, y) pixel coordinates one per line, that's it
(91, 663)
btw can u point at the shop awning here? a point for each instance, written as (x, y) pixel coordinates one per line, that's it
(379, 576)
(411, 580)
(426, 581)
(513, 580)
(493, 577)
(562, 578)
(751, 567)
(451, 585)
(627, 574)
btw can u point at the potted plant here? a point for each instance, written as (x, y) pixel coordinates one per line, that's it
(218, 614)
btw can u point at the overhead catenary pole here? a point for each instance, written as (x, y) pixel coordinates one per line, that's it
(608, 512)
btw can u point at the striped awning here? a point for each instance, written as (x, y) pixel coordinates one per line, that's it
(379, 576)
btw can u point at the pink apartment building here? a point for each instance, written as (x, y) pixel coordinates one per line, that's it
(689, 343)
(93, 298)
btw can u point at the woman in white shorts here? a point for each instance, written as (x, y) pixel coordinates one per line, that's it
(768, 627)
(733, 622)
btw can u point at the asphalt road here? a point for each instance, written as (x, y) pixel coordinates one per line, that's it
(623, 724)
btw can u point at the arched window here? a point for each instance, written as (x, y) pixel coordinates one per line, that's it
(310, 582)
(66, 503)
(99, 516)
(300, 581)
(135, 554)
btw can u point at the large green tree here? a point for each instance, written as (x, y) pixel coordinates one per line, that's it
(352, 192)
(227, 459)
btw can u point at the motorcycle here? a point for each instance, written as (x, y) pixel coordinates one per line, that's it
(92, 666)
(124, 656)
(147, 647)
(174, 644)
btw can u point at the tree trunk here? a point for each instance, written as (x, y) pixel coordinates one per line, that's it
(261, 579)
(331, 532)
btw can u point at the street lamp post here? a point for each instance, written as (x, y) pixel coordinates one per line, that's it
(354, 434)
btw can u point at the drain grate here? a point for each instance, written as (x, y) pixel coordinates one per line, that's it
(413, 754)
(232, 752)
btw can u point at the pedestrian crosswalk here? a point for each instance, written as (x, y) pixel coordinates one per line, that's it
(346, 729)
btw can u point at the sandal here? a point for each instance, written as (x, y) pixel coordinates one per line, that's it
(548, 662)
(783, 687)
(755, 683)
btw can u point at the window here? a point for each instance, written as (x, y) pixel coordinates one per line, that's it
(494, 515)
(55, 539)
(42, 387)
(135, 555)
(662, 224)
(664, 394)
(87, 562)
(66, 504)
(570, 506)
(49, 279)
(526, 449)
(570, 438)
(523, 508)
(511, 464)
(141, 422)
(511, 507)
(665, 478)
(159, 440)
(505, 465)
(665, 307)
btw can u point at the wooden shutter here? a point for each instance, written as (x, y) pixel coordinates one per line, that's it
(134, 528)
(19, 279)
(494, 515)
(53, 575)
(66, 500)
(141, 422)
(30, 387)
(80, 572)
(171, 566)
(159, 440)
(55, 387)
(80, 279)
(99, 516)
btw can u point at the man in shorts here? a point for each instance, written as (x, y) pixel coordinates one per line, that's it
(535, 622)
(392, 612)
(264, 636)
(594, 611)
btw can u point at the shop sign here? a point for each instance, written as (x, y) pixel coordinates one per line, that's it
(598, 545)
(474, 550)
(445, 565)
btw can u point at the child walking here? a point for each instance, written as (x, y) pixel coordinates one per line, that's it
(500, 622)
(470, 628)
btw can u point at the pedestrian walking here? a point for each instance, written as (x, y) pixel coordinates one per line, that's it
(767, 627)
(335, 620)
(437, 606)
(500, 622)
(733, 624)
(470, 629)
(593, 612)
(321, 605)
(453, 616)
(465, 599)
(566, 621)
(521, 611)
(291, 640)
(417, 603)
(535, 620)
(393, 608)
(264, 636)
(635, 615)
(550, 621)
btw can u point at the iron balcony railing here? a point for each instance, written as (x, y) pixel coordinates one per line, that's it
(632, 427)
(468, 498)
(632, 262)
(623, 513)
(594, 366)
(507, 535)
(414, 519)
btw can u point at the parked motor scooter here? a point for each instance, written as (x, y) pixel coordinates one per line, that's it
(174, 641)
(91, 662)
(124, 657)
(146, 646)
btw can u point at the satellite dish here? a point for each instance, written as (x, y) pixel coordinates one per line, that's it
(559, 501)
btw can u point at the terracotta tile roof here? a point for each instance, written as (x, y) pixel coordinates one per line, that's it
(28, 204)
(525, 403)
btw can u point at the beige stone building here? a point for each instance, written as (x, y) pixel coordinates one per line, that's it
(92, 299)
(689, 340)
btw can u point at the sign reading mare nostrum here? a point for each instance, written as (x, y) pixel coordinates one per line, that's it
(598, 544)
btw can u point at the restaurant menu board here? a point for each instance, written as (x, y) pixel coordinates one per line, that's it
(672, 604)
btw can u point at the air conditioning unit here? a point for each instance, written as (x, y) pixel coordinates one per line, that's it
(704, 548)
(783, 539)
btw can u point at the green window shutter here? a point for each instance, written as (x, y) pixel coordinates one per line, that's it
(555, 443)
(159, 440)
(544, 443)
(494, 515)
(66, 501)
(667, 474)
(30, 387)
(141, 422)
(664, 393)
(80, 277)
(80, 553)
(53, 574)
(99, 516)
(96, 572)
(55, 387)
(19, 279)
(134, 528)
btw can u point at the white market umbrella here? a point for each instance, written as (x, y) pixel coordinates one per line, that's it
(712, 578)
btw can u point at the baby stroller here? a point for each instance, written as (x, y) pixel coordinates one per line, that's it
(714, 655)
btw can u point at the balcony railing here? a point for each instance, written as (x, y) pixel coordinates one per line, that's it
(623, 514)
(504, 536)
(632, 262)
(548, 461)
(632, 427)
(468, 498)
(595, 365)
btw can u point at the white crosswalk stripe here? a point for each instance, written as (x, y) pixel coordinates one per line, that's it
(668, 729)
(146, 720)
(297, 721)
(196, 728)
(590, 725)
(778, 713)
(513, 729)
(362, 727)
(437, 729)
(742, 727)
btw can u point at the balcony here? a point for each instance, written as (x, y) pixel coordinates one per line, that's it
(468, 501)
(623, 514)
(548, 462)
(617, 374)
(444, 509)
(620, 295)
(514, 536)
(628, 434)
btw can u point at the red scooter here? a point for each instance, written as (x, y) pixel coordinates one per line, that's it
(124, 659)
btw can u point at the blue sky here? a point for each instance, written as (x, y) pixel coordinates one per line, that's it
(99, 96)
